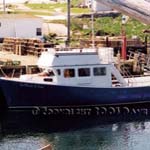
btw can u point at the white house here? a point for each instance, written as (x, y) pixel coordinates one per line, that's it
(22, 26)
(97, 6)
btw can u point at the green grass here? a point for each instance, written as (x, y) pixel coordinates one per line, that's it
(104, 24)
(49, 7)
(53, 7)
(76, 2)
(30, 13)
(80, 10)
(110, 25)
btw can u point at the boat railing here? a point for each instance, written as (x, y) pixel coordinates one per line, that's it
(127, 74)
(138, 83)
(141, 59)
(130, 55)
(147, 64)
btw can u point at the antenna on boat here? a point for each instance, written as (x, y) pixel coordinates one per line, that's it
(4, 6)
(68, 24)
(92, 18)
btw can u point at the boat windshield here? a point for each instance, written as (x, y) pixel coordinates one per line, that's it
(47, 72)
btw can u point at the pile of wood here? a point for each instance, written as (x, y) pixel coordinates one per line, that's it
(21, 46)
(111, 42)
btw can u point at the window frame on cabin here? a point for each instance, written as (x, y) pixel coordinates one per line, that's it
(84, 72)
(99, 71)
(69, 73)
(38, 31)
(58, 72)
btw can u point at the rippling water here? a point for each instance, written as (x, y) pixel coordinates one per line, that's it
(133, 135)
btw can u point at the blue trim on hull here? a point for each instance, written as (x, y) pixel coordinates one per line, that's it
(31, 94)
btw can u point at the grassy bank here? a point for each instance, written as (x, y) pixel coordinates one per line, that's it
(57, 6)
(102, 25)
(105, 25)
(28, 13)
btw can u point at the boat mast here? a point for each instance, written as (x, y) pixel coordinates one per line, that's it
(68, 24)
(4, 7)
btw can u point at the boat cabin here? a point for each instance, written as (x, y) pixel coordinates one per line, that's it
(77, 68)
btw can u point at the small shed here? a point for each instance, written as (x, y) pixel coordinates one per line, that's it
(21, 26)
(96, 5)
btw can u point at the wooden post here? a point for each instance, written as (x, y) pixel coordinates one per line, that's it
(118, 61)
(16, 49)
(47, 147)
(19, 49)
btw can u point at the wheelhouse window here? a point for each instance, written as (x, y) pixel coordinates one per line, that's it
(47, 72)
(38, 31)
(69, 73)
(84, 72)
(99, 71)
(58, 72)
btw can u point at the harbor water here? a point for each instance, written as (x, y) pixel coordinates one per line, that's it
(94, 133)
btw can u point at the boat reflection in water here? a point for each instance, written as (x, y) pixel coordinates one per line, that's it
(43, 121)
(78, 133)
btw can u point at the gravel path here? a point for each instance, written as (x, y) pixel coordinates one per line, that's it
(59, 29)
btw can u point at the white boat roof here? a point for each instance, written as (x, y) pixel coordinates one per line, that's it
(53, 58)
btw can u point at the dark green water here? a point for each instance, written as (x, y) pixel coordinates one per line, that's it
(121, 135)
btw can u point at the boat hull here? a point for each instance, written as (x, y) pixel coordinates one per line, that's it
(34, 94)
(54, 100)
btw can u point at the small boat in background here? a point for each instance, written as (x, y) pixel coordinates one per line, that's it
(74, 78)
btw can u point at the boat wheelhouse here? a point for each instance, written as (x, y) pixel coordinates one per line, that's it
(81, 68)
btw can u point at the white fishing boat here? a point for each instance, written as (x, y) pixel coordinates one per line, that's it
(75, 78)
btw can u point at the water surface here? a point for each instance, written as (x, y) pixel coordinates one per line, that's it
(98, 135)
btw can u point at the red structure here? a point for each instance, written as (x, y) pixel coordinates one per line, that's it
(124, 47)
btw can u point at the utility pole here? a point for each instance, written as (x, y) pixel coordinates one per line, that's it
(68, 24)
(92, 19)
(4, 7)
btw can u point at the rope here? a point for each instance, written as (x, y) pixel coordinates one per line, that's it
(13, 72)
(3, 73)
(21, 71)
